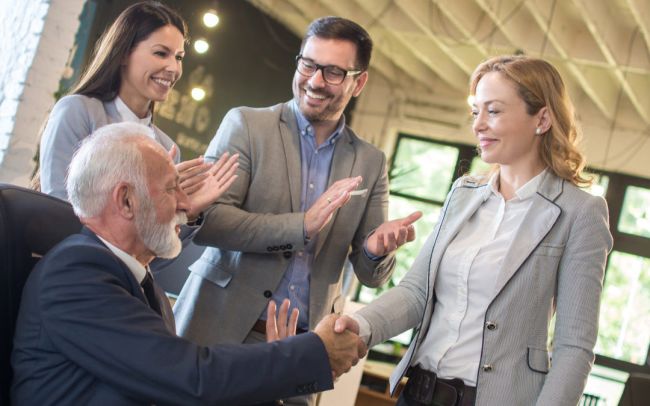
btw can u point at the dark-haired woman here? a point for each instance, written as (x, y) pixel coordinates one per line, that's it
(136, 63)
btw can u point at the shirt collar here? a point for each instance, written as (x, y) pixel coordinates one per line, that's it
(524, 192)
(305, 128)
(138, 270)
(128, 115)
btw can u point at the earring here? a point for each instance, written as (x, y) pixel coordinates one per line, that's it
(538, 131)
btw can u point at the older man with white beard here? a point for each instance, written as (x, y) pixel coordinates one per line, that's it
(93, 327)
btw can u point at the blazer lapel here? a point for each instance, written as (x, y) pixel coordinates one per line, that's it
(291, 142)
(539, 220)
(463, 203)
(342, 163)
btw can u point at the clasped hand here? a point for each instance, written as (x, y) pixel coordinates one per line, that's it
(339, 335)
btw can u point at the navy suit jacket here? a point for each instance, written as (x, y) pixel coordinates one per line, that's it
(86, 336)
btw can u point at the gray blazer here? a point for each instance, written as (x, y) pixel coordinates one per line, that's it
(558, 268)
(257, 225)
(72, 119)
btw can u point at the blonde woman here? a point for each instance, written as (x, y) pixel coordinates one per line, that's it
(509, 251)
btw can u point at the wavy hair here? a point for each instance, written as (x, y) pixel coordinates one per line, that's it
(539, 84)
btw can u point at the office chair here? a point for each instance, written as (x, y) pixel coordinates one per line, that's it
(30, 224)
(636, 391)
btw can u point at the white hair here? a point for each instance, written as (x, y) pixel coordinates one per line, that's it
(107, 157)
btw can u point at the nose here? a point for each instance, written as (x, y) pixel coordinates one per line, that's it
(479, 122)
(175, 66)
(317, 80)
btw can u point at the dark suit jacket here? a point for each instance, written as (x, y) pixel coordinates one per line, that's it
(86, 336)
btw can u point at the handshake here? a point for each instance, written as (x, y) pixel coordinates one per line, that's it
(339, 334)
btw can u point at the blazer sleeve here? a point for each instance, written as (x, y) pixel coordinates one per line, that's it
(403, 306)
(68, 124)
(92, 318)
(370, 272)
(579, 285)
(226, 224)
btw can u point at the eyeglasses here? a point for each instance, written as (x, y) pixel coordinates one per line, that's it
(331, 73)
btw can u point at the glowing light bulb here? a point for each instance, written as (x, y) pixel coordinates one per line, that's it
(210, 19)
(201, 46)
(198, 94)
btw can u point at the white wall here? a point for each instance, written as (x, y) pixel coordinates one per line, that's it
(35, 42)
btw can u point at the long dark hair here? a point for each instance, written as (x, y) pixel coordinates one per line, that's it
(102, 77)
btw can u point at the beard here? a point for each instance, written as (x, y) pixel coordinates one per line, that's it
(330, 111)
(159, 238)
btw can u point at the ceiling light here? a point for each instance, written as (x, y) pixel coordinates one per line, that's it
(210, 18)
(198, 93)
(201, 46)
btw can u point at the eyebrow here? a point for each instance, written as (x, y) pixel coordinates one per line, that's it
(489, 101)
(166, 48)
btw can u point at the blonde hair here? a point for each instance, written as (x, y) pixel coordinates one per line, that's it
(539, 84)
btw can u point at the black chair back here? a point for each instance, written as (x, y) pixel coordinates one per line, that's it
(30, 224)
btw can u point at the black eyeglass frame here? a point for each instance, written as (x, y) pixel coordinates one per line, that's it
(322, 68)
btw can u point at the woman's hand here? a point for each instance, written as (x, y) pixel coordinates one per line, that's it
(218, 179)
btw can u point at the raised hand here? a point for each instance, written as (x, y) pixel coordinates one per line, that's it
(344, 349)
(280, 327)
(219, 178)
(321, 212)
(392, 234)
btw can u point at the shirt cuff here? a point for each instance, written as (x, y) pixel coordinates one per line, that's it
(364, 327)
(369, 255)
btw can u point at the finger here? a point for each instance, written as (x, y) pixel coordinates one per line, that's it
(380, 248)
(411, 218)
(410, 233)
(224, 163)
(271, 327)
(391, 242)
(186, 165)
(190, 190)
(401, 236)
(362, 348)
(172, 152)
(193, 180)
(293, 321)
(282, 318)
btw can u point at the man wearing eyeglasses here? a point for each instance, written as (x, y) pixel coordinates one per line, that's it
(309, 195)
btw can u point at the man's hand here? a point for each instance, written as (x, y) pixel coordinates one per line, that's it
(320, 213)
(344, 349)
(219, 178)
(392, 234)
(280, 327)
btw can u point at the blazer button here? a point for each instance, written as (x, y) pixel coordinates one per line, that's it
(487, 368)
(269, 249)
(287, 254)
(490, 325)
(289, 246)
(268, 294)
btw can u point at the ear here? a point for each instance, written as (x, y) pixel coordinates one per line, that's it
(123, 200)
(543, 120)
(361, 82)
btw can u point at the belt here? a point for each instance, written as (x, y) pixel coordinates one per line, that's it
(426, 388)
(260, 327)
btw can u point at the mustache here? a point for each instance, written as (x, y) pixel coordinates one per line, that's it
(320, 92)
(180, 218)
